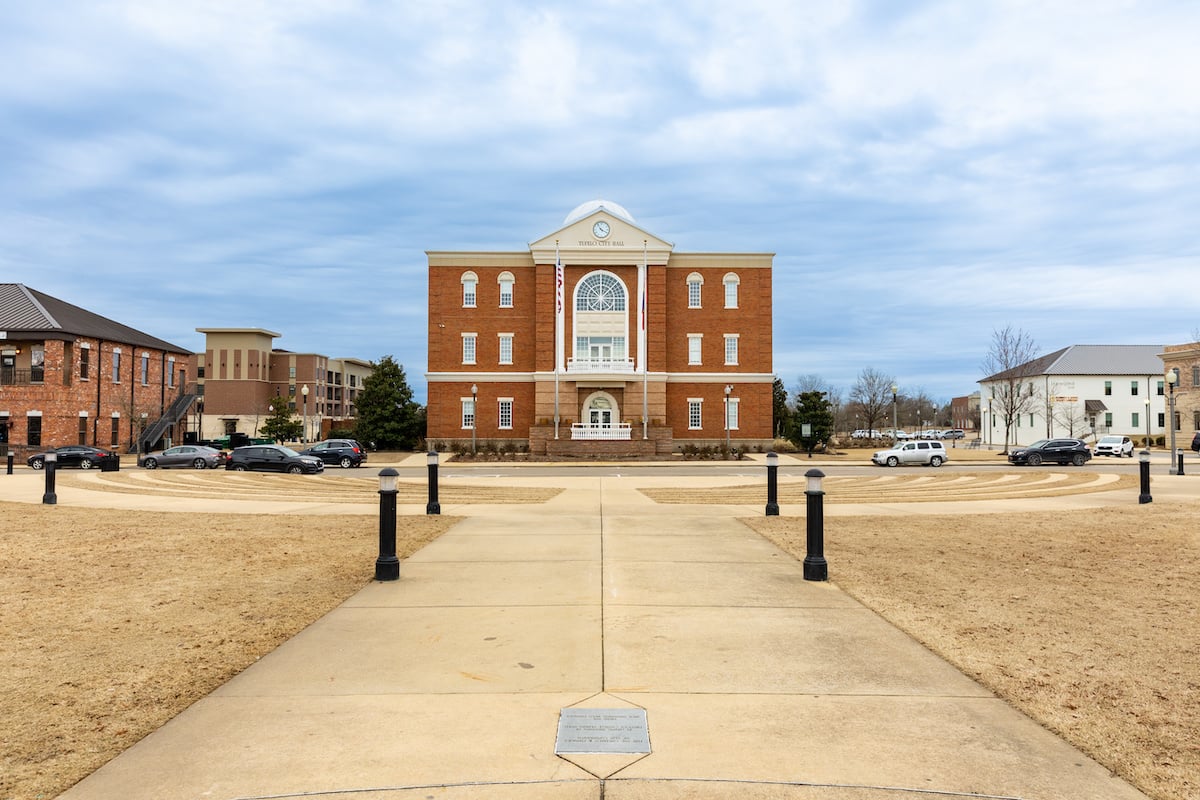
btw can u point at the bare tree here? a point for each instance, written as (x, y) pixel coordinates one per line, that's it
(1011, 366)
(872, 395)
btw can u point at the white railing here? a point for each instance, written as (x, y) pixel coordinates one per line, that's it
(599, 365)
(619, 432)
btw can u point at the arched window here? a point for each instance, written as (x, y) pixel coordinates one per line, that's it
(469, 283)
(601, 323)
(731, 290)
(506, 282)
(600, 291)
(695, 282)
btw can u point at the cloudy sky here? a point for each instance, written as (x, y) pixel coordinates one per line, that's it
(926, 172)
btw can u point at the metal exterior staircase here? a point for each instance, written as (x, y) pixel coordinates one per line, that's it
(176, 411)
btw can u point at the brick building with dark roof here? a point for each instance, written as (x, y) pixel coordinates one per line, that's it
(71, 376)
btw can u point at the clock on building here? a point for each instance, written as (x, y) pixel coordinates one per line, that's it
(600, 229)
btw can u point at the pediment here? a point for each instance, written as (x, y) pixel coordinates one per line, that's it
(601, 237)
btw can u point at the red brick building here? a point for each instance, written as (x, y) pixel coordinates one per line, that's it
(70, 376)
(600, 338)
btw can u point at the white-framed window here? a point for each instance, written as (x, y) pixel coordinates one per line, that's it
(85, 361)
(171, 372)
(506, 282)
(695, 417)
(470, 282)
(731, 290)
(145, 369)
(116, 365)
(600, 291)
(694, 349)
(506, 348)
(695, 282)
(469, 347)
(731, 413)
(731, 349)
(504, 413)
(37, 363)
(468, 413)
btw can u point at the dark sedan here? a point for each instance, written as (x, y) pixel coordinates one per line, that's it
(75, 455)
(272, 458)
(1058, 451)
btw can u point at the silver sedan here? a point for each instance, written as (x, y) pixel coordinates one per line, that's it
(192, 456)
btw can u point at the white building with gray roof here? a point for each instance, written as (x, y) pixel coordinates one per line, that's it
(1083, 391)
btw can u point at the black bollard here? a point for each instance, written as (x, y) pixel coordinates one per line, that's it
(815, 567)
(433, 506)
(49, 498)
(772, 484)
(1180, 470)
(10, 460)
(387, 566)
(1144, 474)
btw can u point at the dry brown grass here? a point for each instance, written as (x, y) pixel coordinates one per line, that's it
(1088, 621)
(112, 622)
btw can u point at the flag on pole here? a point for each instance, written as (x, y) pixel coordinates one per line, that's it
(559, 323)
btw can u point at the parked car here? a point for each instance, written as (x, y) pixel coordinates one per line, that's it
(1114, 446)
(345, 453)
(931, 453)
(932, 433)
(954, 433)
(272, 458)
(1196, 442)
(194, 456)
(1060, 451)
(904, 435)
(76, 455)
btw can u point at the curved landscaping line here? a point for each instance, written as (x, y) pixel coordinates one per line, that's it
(221, 485)
(911, 488)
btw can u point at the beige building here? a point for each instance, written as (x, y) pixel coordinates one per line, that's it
(242, 377)
(1186, 359)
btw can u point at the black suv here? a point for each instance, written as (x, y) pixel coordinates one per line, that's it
(272, 458)
(1060, 451)
(345, 453)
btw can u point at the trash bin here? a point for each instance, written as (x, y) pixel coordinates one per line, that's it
(111, 464)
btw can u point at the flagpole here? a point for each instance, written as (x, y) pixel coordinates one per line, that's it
(558, 328)
(643, 347)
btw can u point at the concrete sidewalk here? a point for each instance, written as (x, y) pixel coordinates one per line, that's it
(449, 682)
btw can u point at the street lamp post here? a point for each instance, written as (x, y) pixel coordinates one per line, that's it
(474, 414)
(304, 433)
(983, 420)
(895, 425)
(1172, 378)
(1147, 419)
(728, 391)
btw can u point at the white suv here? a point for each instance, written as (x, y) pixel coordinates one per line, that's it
(1114, 446)
(931, 453)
